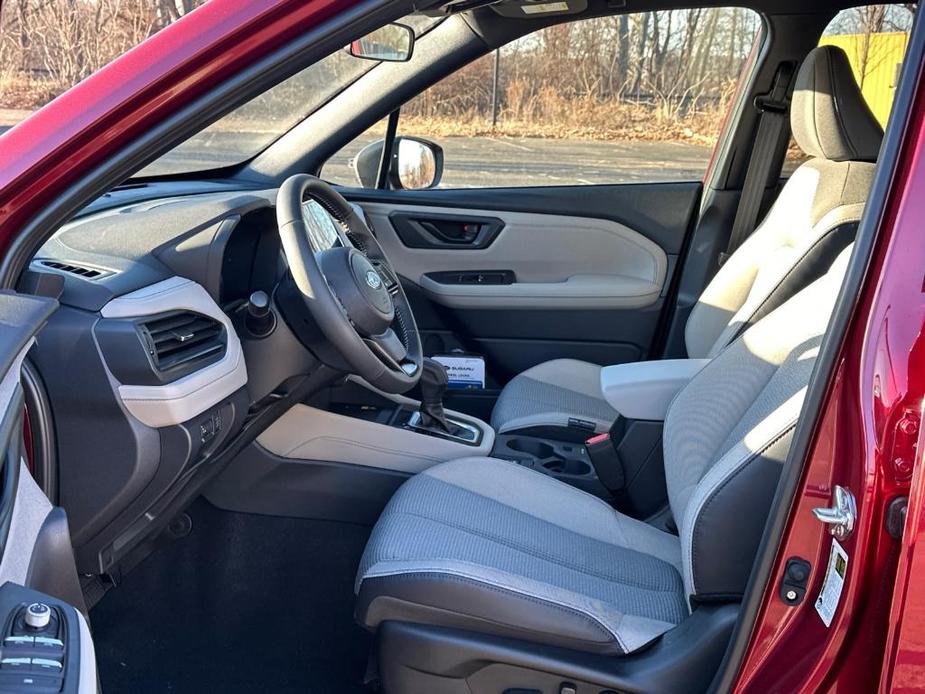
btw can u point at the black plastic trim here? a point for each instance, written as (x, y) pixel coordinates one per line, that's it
(52, 568)
(11, 438)
(417, 658)
(124, 343)
(44, 459)
(258, 481)
(423, 230)
(473, 277)
(651, 209)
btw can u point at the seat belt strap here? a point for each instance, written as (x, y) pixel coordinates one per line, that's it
(773, 109)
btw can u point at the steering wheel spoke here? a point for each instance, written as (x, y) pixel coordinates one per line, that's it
(351, 291)
(389, 348)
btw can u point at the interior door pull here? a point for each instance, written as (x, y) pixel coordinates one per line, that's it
(439, 231)
(460, 233)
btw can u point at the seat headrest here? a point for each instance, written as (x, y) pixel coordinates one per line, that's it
(828, 115)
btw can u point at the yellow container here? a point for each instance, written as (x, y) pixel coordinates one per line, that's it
(875, 59)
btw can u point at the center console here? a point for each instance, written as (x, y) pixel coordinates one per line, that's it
(359, 425)
(624, 464)
(564, 460)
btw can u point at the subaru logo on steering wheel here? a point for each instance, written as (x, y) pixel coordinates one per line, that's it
(373, 279)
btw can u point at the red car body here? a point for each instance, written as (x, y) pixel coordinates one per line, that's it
(868, 435)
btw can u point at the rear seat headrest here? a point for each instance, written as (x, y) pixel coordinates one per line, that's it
(828, 115)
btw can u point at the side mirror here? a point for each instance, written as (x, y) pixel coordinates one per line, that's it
(416, 164)
(392, 43)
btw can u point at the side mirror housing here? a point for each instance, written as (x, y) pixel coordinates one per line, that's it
(416, 164)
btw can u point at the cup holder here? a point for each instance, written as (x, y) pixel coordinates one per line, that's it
(568, 466)
(551, 457)
(537, 449)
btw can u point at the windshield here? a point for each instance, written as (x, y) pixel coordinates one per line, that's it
(253, 127)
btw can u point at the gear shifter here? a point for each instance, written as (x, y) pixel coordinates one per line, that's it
(434, 383)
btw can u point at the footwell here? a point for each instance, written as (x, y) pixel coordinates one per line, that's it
(245, 603)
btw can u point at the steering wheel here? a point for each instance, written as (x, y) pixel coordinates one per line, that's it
(351, 291)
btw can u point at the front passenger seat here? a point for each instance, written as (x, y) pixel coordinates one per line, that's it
(486, 547)
(813, 219)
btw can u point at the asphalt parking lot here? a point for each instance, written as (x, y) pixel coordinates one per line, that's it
(472, 162)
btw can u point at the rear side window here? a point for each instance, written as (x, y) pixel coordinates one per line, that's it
(631, 98)
(875, 38)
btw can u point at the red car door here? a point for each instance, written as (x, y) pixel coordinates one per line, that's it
(867, 438)
(859, 626)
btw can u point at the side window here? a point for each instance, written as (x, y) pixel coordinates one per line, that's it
(341, 168)
(630, 98)
(874, 37)
(48, 46)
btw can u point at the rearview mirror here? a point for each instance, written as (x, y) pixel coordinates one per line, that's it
(392, 43)
(416, 164)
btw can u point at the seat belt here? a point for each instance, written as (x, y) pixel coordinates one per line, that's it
(773, 108)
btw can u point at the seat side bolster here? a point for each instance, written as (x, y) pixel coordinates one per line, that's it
(725, 520)
(498, 609)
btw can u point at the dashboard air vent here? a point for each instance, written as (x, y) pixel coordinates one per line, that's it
(85, 271)
(184, 340)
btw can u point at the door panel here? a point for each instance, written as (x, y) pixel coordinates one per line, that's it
(36, 558)
(533, 260)
(575, 271)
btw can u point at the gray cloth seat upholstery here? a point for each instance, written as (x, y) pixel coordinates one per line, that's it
(813, 219)
(491, 547)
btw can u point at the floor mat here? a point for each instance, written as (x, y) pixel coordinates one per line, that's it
(245, 603)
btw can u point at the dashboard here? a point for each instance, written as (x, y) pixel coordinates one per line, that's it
(145, 370)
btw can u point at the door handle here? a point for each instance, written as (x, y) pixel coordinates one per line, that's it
(437, 231)
(461, 233)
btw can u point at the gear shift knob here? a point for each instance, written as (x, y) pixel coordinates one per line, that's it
(434, 382)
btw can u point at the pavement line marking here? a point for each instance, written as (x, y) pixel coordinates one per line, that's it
(512, 144)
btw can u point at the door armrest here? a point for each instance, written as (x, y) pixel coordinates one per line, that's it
(644, 390)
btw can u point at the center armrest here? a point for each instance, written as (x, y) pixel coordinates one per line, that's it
(644, 390)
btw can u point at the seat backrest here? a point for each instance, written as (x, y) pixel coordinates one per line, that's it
(813, 219)
(728, 432)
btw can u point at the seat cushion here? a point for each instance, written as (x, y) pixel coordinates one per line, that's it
(556, 393)
(490, 546)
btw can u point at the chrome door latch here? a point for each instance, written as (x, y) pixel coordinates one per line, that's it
(842, 516)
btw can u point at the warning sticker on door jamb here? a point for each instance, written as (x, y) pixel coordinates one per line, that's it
(830, 595)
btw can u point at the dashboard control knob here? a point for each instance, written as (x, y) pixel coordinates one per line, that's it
(260, 319)
(38, 615)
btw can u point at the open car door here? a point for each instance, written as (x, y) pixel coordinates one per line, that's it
(45, 645)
